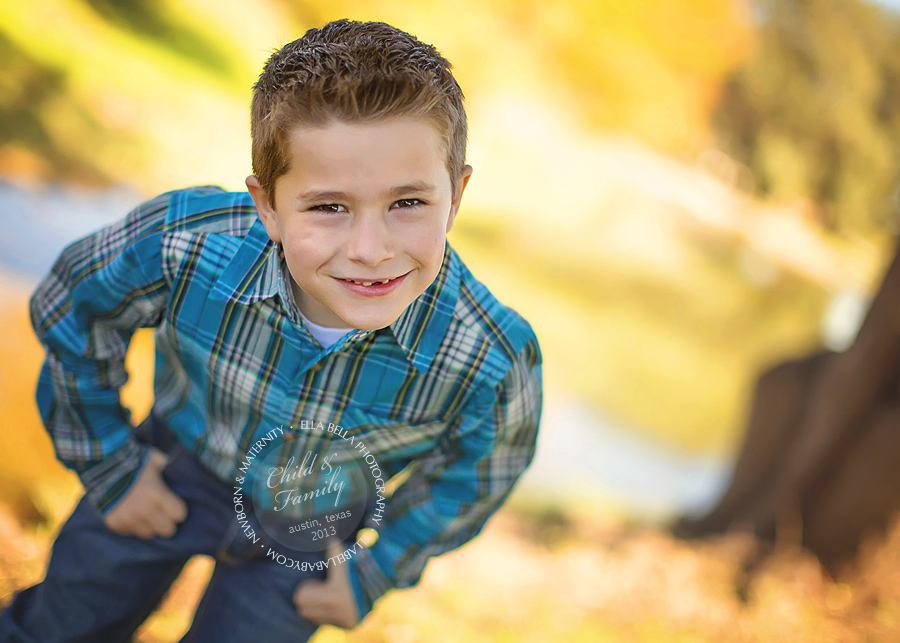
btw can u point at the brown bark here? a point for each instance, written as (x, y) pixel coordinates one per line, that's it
(822, 434)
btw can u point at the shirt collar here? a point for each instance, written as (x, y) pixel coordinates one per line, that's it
(420, 328)
(254, 273)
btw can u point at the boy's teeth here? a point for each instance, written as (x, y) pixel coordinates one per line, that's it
(368, 283)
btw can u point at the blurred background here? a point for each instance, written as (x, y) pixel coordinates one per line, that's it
(677, 194)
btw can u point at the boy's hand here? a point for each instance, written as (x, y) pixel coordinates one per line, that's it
(329, 602)
(149, 508)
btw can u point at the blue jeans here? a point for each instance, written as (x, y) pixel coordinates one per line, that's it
(100, 586)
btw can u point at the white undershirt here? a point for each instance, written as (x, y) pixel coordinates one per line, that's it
(325, 335)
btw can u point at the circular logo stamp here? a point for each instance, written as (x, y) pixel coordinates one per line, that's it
(308, 487)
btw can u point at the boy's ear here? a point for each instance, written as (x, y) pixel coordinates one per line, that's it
(464, 177)
(264, 208)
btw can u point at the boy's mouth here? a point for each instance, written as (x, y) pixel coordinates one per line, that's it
(370, 287)
(369, 283)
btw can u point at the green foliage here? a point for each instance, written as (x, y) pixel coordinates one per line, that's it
(645, 67)
(816, 113)
(27, 88)
(149, 18)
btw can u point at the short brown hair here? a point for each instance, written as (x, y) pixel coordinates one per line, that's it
(352, 71)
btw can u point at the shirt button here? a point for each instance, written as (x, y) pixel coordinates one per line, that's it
(315, 368)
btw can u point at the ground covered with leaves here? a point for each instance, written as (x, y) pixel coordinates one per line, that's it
(527, 579)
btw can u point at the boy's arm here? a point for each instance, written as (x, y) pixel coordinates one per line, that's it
(100, 290)
(446, 502)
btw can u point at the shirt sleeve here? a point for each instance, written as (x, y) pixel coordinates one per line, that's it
(446, 501)
(100, 290)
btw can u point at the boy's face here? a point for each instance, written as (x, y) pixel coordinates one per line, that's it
(362, 202)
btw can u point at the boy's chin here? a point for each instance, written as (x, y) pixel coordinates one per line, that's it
(371, 323)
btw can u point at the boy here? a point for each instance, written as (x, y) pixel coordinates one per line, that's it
(327, 296)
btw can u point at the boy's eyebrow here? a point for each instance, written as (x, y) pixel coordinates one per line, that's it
(322, 195)
(416, 187)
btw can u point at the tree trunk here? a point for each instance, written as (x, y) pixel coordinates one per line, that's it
(823, 437)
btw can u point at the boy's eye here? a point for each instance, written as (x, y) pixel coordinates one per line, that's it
(329, 207)
(409, 203)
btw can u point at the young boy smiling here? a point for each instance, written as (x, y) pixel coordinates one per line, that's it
(326, 293)
(362, 215)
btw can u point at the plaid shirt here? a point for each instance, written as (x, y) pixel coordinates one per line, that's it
(449, 393)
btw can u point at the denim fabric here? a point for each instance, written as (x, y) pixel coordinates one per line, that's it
(100, 586)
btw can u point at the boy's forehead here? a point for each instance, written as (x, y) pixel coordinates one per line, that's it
(353, 132)
(391, 154)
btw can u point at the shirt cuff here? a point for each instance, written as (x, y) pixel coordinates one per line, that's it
(108, 481)
(368, 581)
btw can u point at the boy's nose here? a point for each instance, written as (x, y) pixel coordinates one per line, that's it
(370, 241)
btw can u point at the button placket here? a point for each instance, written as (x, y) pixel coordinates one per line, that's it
(300, 382)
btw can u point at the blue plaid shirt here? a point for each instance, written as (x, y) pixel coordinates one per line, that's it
(449, 394)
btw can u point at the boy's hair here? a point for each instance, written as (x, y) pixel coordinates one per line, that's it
(352, 71)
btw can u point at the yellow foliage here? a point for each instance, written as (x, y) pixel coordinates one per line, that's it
(602, 582)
